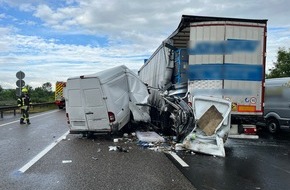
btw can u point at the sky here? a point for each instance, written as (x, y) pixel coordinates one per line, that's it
(52, 40)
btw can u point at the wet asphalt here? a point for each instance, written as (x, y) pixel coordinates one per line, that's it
(263, 164)
(78, 162)
(87, 163)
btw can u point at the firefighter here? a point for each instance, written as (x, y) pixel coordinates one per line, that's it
(24, 103)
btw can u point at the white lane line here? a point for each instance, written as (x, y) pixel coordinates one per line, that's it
(41, 154)
(178, 159)
(30, 117)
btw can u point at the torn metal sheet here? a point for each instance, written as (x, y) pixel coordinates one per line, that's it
(212, 126)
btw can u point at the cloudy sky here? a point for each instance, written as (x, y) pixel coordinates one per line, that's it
(51, 40)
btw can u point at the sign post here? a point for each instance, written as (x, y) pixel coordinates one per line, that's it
(19, 83)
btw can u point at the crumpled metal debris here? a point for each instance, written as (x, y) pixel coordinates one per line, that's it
(118, 148)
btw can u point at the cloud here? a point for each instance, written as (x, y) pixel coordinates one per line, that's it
(45, 60)
(45, 43)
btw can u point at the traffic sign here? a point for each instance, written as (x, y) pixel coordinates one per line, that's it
(20, 83)
(20, 75)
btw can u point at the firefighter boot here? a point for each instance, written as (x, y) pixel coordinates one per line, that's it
(22, 121)
(28, 122)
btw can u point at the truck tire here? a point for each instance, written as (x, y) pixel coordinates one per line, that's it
(273, 126)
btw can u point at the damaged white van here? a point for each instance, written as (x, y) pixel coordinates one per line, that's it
(105, 102)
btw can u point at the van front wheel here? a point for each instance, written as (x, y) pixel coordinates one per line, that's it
(273, 126)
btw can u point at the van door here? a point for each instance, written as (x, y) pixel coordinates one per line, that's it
(94, 105)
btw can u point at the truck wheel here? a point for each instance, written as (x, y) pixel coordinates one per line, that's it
(273, 126)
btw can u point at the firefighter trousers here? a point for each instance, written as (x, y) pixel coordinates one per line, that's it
(24, 115)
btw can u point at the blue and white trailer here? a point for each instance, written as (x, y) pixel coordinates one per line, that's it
(216, 57)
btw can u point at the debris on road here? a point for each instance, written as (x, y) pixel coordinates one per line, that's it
(210, 131)
(149, 136)
(118, 148)
(212, 126)
(112, 148)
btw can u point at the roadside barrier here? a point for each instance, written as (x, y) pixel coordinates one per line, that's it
(14, 108)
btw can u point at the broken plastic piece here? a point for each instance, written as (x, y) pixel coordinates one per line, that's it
(121, 149)
(112, 148)
(149, 136)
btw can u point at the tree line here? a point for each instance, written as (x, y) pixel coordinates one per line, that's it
(282, 66)
(38, 95)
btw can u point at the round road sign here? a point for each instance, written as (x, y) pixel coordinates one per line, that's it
(20, 83)
(20, 75)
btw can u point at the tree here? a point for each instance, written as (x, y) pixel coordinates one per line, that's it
(8, 97)
(282, 66)
(47, 86)
(41, 95)
(38, 95)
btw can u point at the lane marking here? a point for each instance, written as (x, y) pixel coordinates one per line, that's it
(178, 159)
(41, 154)
(30, 117)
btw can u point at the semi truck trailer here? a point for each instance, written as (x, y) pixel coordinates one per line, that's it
(210, 56)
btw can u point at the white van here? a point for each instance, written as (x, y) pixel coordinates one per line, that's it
(104, 102)
(277, 103)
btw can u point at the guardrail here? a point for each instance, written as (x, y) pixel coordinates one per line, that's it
(14, 108)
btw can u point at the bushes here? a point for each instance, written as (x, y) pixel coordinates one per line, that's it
(37, 95)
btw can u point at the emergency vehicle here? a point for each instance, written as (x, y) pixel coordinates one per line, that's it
(59, 97)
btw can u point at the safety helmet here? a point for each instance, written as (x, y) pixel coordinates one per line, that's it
(24, 90)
